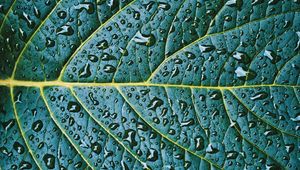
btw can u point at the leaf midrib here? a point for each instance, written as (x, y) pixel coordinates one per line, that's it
(12, 83)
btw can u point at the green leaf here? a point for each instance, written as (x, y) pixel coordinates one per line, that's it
(133, 84)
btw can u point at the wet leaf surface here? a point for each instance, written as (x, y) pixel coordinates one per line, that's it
(142, 84)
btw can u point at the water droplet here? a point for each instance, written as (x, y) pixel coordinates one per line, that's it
(155, 103)
(37, 126)
(49, 160)
(256, 2)
(96, 148)
(37, 12)
(85, 71)
(102, 45)
(19, 148)
(62, 14)
(113, 126)
(25, 165)
(107, 57)
(272, 56)
(147, 40)
(89, 7)
(129, 136)
(26, 17)
(199, 143)
(94, 101)
(206, 48)
(232, 155)
(152, 155)
(93, 58)
(241, 57)
(270, 132)
(215, 95)
(259, 96)
(242, 74)
(149, 5)
(289, 148)
(109, 68)
(49, 42)
(8, 124)
(123, 51)
(190, 55)
(164, 6)
(210, 149)
(65, 30)
(235, 3)
(73, 107)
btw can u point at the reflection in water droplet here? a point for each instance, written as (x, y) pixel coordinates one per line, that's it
(37, 126)
(242, 74)
(85, 71)
(102, 45)
(107, 57)
(155, 103)
(96, 148)
(149, 5)
(73, 107)
(62, 14)
(164, 6)
(272, 56)
(152, 155)
(49, 161)
(65, 30)
(93, 58)
(129, 136)
(259, 96)
(49, 42)
(109, 68)
(147, 40)
(26, 17)
(8, 124)
(89, 7)
(199, 143)
(19, 148)
(241, 57)
(206, 48)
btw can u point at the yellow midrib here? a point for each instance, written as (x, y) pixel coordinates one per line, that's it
(11, 83)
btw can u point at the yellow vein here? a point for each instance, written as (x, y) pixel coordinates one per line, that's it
(11, 83)
(30, 39)
(210, 35)
(247, 140)
(164, 136)
(90, 37)
(265, 121)
(6, 15)
(20, 128)
(61, 129)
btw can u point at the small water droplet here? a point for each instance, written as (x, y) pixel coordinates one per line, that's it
(155, 103)
(147, 40)
(65, 30)
(73, 107)
(259, 96)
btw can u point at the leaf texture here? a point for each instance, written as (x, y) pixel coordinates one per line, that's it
(146, 84)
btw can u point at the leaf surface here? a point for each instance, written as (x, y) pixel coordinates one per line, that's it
(181, 84)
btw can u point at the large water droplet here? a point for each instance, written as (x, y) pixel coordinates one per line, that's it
(259, 96)
(272, 56)
(85, 71)
(49, 161)
(73, 107)
(65, 30)
(8, 124)
(199, 143)
(37, 126)
(206, 48)
(19, 148)
(89, 7)
(241, 57)
(152, 155)
(155, 103)
(96, 148)
(242, 74)
(129, 136)
(109, 68)
(147, 40)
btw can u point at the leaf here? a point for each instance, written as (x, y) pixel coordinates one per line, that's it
(144, 84)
